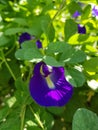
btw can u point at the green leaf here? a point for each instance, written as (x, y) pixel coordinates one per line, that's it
(52, 61)
(20, 85)
(19, 54)
(37, 114)
(31, 4)
(86, 12)
(10, 124)
(3, 40)
(77, 57)
(72, 56)
(78, 100)
(90, 1)
(28, 44)
(75, 77)
(22, 93)
(32, 54)
(56, 110)
(85, 120)
(58, 47)
(13, 31)
(73, 7)
(28, 51)
(70, 28)
(35, 26)
(81, 39)
(91, 65)
(48, 28)
(3, 113)
(20, 21)
(48, 119)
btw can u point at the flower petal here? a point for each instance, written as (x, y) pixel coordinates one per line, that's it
(42, 92)
(95, 11)
(76, 14)
(81, 29)
(24, 37)
(39, 44)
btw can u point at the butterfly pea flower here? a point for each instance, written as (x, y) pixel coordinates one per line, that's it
(95, 11)
(49, 87)
(76, 14)
(26, 36)
(81, 29)
(39, 44)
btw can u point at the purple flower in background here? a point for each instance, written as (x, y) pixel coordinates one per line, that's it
(48, 86)
(24, 37)
(81, 29)
(76, 14)
(39, 44)
(95, 11)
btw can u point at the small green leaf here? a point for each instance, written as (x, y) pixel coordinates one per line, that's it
(32, 54)
(77, 57)
(57, 47)
(72, 56)
(85, 120)
(52, 61)
(75, 77)
(86, 12)
(28, 51)
(13, 31)
(70, 28)
(81, 39)
(91, 65)
(19, 54)
(73, 7)
(20, 21)
(35, 26)
(47, 27)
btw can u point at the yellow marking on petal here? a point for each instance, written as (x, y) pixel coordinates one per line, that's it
(49, 82)
(41, 71)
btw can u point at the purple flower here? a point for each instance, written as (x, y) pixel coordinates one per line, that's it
(48, 86)
(95, 11)
(24, 37)
(76, 14)
(39, 44)
(81, 29)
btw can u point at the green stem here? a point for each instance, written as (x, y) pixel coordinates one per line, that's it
(59, 10)
(37, 118)
(7, 65)
(22, 117)
(8, 52)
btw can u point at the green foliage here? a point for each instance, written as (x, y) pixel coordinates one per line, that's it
(26, 53)
(3, 40)
(70, 28)
(75, 77)
(85, 120)
(51, 22)
(91, 65)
